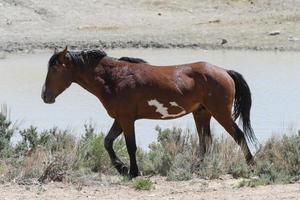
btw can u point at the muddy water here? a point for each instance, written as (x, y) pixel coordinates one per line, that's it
(274, 78)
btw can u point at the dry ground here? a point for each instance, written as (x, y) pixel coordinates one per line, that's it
(116, 189)
(26, 25)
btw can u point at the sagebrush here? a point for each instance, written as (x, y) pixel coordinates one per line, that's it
(174, 154)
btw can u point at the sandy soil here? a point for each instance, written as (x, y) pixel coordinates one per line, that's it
(26, 25)
(115, 189)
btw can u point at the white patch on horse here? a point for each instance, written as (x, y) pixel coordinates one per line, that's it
(164, 110)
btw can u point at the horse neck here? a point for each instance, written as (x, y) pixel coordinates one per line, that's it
(91, 79)
(86, 78)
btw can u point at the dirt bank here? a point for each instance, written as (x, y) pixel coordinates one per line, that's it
(27, 25)
(114, 188)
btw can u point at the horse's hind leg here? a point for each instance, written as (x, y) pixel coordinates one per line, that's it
(238, 135)
(202, 120)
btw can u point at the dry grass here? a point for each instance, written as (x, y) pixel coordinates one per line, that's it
(35, 163)
(57, 155)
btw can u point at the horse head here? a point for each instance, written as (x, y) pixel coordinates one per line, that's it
(59, 75)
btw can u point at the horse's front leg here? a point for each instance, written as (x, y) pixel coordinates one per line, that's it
(129, 133)
(113, 133)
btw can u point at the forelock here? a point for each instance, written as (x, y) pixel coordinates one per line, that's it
(53, 60)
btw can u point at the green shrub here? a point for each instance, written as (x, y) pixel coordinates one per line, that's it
(96, 157)
(174, 154)
(30, 137)
(279, 159)
(254, 182)
(181, 168)
(170, 142)
(211, 167)
(141, 183)
(146, 165)
(240, 170)
(92, 154)
(54, 140)
(30, 140)
(6, 132)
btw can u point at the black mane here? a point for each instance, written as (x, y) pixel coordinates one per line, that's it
(80, 58)
(133, 60)
(89, 57)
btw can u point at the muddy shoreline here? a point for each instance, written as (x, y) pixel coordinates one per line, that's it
(15, 47)
(28, 26)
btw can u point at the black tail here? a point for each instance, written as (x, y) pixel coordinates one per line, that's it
(242, 104)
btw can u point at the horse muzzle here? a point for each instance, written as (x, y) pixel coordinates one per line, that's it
(47, 96)
(48, 100)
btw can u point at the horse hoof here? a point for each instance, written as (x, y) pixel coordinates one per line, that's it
(134, 174)
(124, 170)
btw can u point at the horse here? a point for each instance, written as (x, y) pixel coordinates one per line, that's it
(132, 89)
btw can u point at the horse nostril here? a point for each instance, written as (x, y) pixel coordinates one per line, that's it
(44, 97)
(48, 97)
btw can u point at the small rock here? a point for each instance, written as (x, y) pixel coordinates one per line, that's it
(224, 41)
(293, 39)
(8, 22)
(214, 21)
(159, 14)
(272, 33)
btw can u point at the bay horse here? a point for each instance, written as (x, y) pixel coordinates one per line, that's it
(131, 89)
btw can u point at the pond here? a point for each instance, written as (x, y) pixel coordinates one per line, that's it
(274, 78)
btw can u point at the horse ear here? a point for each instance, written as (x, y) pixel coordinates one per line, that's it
(55, 51)
(62, 56)
(65, 51)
